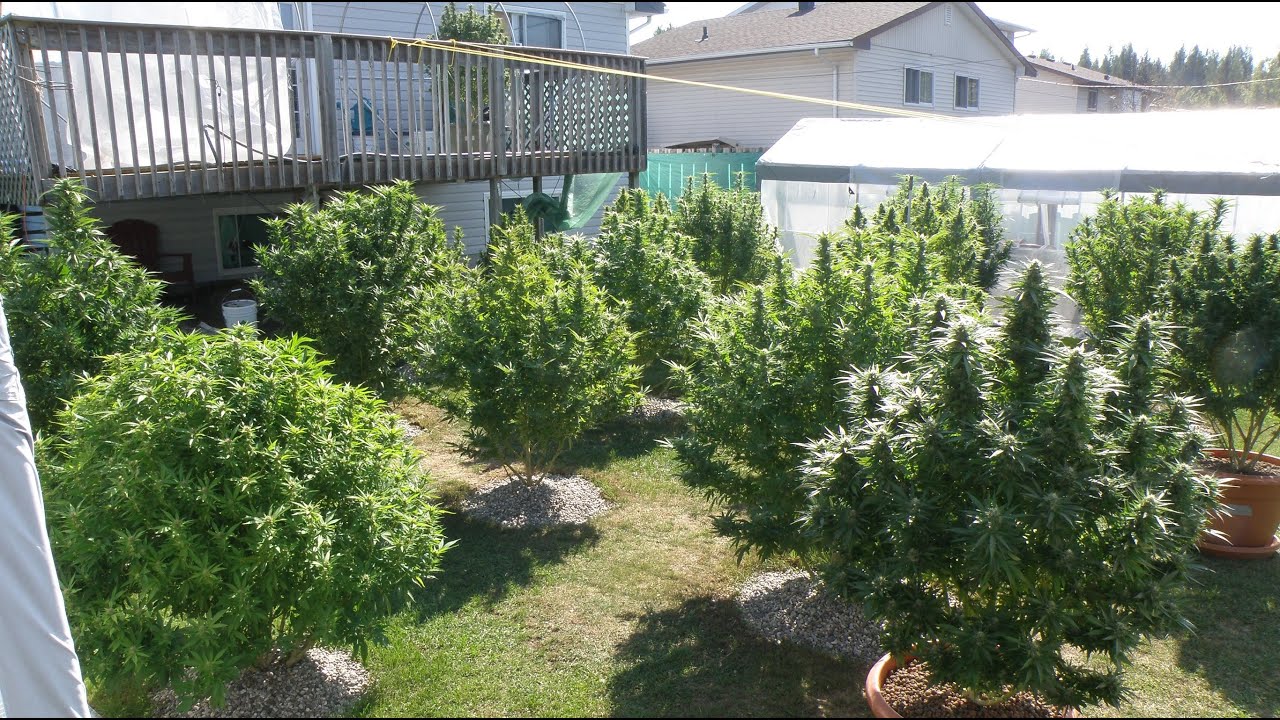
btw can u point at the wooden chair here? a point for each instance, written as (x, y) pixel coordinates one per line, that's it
(140, 240)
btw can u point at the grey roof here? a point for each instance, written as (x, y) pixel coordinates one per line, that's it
(828, 22)
(1084, 75)
(750, 32)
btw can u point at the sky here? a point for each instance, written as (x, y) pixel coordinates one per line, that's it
(1065, 29)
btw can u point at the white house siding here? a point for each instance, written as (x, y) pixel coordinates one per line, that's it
(681, 113)
(1041, 97)
(965, 47)
(186, 224)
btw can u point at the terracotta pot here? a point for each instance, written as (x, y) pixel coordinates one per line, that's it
(875, 681)
(1251, 515)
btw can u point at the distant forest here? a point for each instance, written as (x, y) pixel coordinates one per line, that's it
(1190, 68)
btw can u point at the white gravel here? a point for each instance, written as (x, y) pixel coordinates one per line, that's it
(553, 500)
(410, 430)
(657, 409)
(791, 606)
(322, 684)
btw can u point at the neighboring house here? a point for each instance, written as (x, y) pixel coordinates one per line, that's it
(204, 131)
(936, 57)
(1060, 87)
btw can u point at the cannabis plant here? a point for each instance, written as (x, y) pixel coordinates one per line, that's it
(1225, 303)
(537, 352)
(765, 378)
(71, 307)
(962, 226)
(1001, 502)
(218, 499)
(646, 267)
(361, 276)
(732, 241)
(470, 27)
(1119, 258)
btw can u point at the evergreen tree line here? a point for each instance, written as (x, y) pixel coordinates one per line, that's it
(1194, 67)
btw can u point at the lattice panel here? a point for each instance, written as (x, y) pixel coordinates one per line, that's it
(17, 179)
(579, 112)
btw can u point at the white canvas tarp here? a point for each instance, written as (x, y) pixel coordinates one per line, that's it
(39, 670)
(117, 90)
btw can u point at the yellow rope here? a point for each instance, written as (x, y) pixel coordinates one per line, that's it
(506, 54)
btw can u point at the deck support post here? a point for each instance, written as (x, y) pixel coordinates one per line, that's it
(539, 227)
(495, 204)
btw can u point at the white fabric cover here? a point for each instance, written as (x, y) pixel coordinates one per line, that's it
(39, 671)
(217, 91)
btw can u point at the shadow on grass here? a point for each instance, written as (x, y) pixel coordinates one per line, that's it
(1235, 607)
(618, 440)
(700, 660)
(489, 562)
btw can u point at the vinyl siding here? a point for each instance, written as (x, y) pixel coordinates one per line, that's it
(1040, 97)
(965, 47)
(681, 113)
(603, 24)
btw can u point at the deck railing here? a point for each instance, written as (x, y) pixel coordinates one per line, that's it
(141, 111)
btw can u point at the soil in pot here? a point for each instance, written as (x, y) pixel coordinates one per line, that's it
(908, 690)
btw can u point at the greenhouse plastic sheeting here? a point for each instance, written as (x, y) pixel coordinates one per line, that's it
(39, 670)
(197, 82)
(1213, 152)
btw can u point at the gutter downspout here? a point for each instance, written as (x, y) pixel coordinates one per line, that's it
(835, 81)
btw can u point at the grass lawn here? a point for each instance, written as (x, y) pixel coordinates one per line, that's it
(633, 615)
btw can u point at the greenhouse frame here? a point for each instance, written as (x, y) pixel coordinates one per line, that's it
(1049, 170)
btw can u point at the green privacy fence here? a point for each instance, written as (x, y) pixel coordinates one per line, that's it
(668, 170)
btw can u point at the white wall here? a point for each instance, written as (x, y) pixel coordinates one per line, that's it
(966, 47)
(680, 113)
(1043, 97)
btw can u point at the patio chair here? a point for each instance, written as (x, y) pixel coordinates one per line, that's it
(140, 240)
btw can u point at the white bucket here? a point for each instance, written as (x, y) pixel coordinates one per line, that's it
(235, 312)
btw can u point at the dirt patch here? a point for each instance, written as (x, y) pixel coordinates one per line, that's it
(910, 692)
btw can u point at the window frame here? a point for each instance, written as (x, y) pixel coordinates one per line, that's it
(1092, 100)
(906, 71)
(977, 92)
(218, 214)
(509, 11)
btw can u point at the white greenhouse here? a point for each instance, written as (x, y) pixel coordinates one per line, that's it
(1049, 169)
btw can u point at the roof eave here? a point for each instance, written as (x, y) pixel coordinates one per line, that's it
(745, 53)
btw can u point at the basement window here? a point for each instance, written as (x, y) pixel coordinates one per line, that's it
(918, 87)
(239, 235)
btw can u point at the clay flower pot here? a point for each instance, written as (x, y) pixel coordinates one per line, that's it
(1251, 515)
(875, 681)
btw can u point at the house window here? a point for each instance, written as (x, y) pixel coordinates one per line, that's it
(240, 234)
(966, 93)
(536, 28)
(1093, 101)
(919, 87)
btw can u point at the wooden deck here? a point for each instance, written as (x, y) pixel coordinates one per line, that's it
(148, 111)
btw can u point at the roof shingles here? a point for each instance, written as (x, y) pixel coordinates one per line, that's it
(767, 29)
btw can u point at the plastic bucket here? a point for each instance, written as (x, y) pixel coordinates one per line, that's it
(235, 312)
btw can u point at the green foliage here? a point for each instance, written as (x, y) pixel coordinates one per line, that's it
(1225, 306)
(998, 509)
(962, 225)
(646, 267)
(361, 276)
(218, 497)
(471, 27)
(766, 375)
(70, 308)
(732, 241)
(536, 350)
(1119, 258)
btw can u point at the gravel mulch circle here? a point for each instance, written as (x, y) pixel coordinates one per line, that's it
(553, 500)
(657, 409)
(792, 606)
(322, 684)
(909, 691)
(410, 430)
